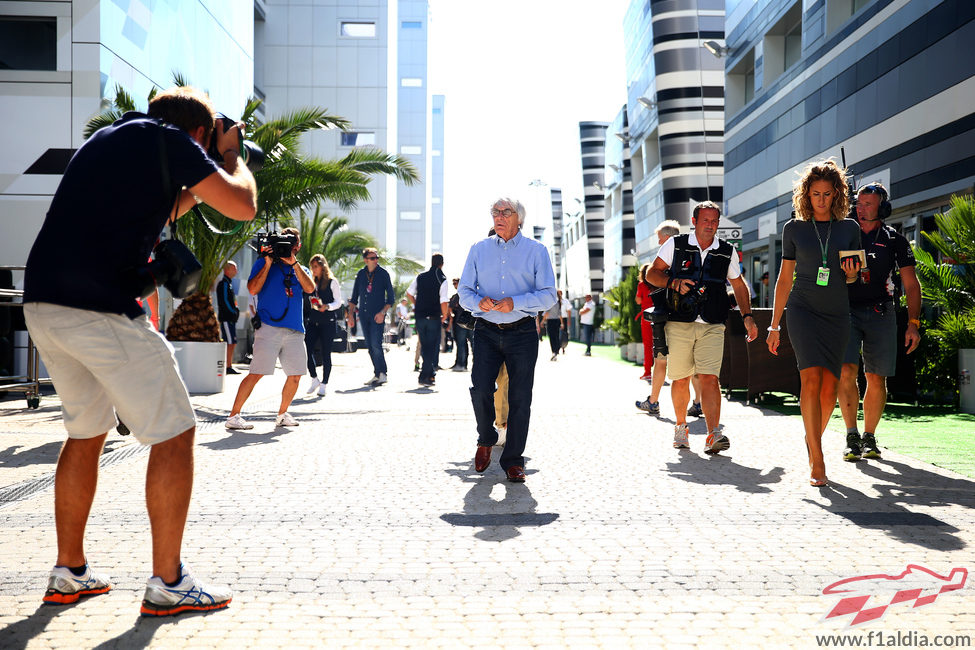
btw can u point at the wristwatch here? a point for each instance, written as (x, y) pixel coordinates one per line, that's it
(774, 329)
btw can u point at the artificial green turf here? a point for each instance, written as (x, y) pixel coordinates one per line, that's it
(939, 435)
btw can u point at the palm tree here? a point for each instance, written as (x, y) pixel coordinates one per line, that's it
(288, 182)
(342, 247)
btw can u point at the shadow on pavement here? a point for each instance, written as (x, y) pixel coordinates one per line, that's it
(144, 628)
(722, 470)
(46, 454)
(913, 486)
(19, 635)
(498, 520)
(916, 528)
(240, 439)
(364, 389)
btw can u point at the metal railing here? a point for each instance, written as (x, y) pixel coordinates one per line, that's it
(30, 383)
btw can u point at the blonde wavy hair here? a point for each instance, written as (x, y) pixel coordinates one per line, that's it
(824, 170)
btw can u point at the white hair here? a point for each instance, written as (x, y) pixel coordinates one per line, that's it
(669, 228)
(515, 204)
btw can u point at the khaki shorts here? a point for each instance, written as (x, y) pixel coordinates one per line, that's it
(106, 363)
(272, 343)
(694, 348)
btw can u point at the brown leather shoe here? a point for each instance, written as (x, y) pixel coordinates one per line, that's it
(482, 458)
(516, 474)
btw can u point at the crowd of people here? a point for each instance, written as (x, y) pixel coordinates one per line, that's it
(104, 356)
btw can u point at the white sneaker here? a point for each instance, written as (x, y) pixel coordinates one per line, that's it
(680, 437)
(238, 422)
(381, 379)
(189, 595)
(321, 389)
(315, 383)
(372, 381)
(64, 587)
(502, 436)
(285, 420)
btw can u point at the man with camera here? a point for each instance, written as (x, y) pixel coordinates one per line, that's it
(873, 320)
(372, 297)
(278, 280)
(100, 349)
(694, 269)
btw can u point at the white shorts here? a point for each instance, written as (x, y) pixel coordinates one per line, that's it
(273, 343)
(103, 363)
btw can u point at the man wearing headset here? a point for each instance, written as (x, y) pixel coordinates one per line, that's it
(873, 330)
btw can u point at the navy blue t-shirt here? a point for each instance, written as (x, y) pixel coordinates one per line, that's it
(108, 212)
(273, 301)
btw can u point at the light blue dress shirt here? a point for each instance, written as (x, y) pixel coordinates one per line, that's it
(519, 269)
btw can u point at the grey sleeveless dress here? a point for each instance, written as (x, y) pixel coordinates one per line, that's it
(819, 316)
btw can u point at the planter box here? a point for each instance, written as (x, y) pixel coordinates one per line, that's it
(966, 384)
(631, 351)
(641, 352)
(201, 365)
(623, 352)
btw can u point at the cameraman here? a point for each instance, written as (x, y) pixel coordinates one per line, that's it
(278, 281)
(694, 268)
(102, 353)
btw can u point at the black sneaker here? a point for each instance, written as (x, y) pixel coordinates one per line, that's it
(870, 449)
(695, 411)
(853, 449)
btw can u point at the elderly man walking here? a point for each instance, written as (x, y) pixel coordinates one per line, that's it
(507, 280)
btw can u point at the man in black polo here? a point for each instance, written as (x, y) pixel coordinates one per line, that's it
(428, 294)
(873, 322)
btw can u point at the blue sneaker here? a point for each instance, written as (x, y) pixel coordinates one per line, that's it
(189, 595)
(652, 408)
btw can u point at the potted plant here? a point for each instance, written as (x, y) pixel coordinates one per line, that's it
(625, 324)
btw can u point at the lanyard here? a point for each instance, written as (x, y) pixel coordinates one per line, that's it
(819, 240)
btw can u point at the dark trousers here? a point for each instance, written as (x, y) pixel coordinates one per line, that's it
(372, 332)
(587, 337)
(517, 349)
(428, 329)
(322, 334)
(460, 339)
(554, 327)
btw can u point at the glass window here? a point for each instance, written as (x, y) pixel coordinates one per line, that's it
(411, 82)
(412, 24)
(410, 149)
(358, 29)
(358, 138)
(410, 215)
(28, 43)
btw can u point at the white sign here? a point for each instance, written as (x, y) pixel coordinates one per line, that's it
(766, 225)
(729, 233)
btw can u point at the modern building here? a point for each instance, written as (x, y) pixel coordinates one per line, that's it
(436, 178)
(366, 62)
(60, 60)
(619, 240)
(675, 110)
(882, 81)
(592, 141)
(556, 247)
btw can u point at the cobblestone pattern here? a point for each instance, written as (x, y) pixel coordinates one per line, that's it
(366, 526)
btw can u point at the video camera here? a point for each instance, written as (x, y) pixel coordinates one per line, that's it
(252, 155)
(277, 245)
(173, 266)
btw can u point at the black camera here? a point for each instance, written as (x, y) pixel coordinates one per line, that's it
(658, 323)
(689, 302)
(250, 153)
(173, 266)
(277, 245)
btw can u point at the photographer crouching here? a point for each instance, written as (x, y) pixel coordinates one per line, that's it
(102, 353)
(694, 269)
(278, 280)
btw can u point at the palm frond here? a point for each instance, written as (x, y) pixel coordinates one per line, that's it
(369, 160)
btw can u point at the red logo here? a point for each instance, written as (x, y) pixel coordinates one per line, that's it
(867, 598)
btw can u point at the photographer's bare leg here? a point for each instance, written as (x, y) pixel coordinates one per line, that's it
(244, 391)
(288, 392)
(680, 392)
(74, 490)
(709, 392)
(169, 484)
(659, 373)
(874, 401)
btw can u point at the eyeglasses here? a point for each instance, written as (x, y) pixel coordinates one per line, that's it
(507, 213)
(372, 258)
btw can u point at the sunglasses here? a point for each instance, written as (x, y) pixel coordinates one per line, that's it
(507, 213)
(374, 257)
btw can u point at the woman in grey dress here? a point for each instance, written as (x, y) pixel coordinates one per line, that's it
(812, 280)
